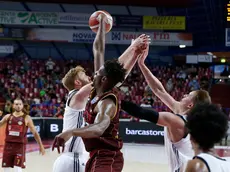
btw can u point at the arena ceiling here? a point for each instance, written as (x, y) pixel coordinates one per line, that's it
(153, 3)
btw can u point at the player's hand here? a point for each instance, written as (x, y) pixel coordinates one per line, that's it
(42, 150)
(60, 140)
(102, 17)
(143, 55)
(141, 42)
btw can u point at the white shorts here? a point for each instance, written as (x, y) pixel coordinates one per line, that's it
(70, 162)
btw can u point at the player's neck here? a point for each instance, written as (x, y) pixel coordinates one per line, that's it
(100, 91)
(209, 151)
(17, 114)
(184, 111)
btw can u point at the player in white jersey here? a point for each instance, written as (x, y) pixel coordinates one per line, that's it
(75, 156)
(207, 125)
(177, 140)
(74, 152)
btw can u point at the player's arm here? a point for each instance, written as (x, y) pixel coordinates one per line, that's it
(131, 54)
(4, 120)
(31, 126)
(160, 118)
(106, 111)
(157, 87)
(83, 93)
(196, 165)
(99, 43)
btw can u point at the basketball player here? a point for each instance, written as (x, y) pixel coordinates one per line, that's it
(101, 135)
(207, 125)
(75, 156)
(177, 141)
(78, 99)
(17, 124)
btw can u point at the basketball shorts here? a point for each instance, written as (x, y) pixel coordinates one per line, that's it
(70, 162)
(105, 161)
(14, 154)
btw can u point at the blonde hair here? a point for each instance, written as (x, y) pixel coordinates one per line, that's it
(202, 96)
(70, 77)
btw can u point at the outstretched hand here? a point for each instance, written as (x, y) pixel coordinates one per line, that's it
(143, 55)
(141, 42)
(59, 141)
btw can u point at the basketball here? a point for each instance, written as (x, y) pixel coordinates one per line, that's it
(94, 23)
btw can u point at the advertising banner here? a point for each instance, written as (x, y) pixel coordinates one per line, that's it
(157, 38)
(141, 132)
(126, 21)
(52, 127)
(113, 37)
(227, 37)
(8, 49)
(138, 132)
(38, 123)
(43, 18)
(63, 19)
(164, 22)
(12, 34)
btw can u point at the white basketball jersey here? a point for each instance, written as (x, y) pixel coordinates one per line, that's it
(214, 164)
(73, 119)
(178, 153)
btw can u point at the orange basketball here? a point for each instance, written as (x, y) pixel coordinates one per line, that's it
(94, 23)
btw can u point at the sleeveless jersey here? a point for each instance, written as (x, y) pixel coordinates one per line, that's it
(178, 153)
(214, 164)
(16, 130)
(73, 118)
(109, 139)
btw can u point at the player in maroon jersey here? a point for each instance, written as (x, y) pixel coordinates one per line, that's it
(102, 115)
(17, 124)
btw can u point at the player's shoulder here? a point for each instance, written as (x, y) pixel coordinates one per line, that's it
(196, 165)
(27, 117)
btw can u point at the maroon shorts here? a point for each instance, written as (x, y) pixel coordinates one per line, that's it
(105, 161)
(14, 155)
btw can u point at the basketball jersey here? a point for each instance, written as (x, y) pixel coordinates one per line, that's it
(109, 140)
(16, 129)
(214, 164)
(73, 118)
(178, 153)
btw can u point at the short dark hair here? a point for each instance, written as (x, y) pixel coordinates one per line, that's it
(114, 71)
(207, 125)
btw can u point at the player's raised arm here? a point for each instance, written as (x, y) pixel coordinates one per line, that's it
(99, 43)
(156, 86)
(130, 56)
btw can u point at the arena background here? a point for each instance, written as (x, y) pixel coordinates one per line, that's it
(40, 42)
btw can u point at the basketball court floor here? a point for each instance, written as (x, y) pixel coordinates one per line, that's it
(138, 158)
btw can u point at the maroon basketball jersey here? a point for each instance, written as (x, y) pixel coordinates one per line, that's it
(109, 139)
(16, 129)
